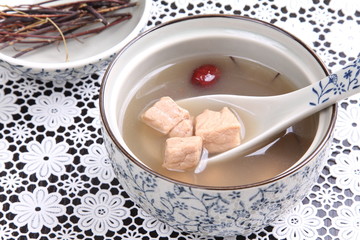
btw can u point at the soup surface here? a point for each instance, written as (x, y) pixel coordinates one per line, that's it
(239, 76)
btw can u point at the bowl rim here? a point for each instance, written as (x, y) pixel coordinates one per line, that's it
(89, 60)
(282, 175)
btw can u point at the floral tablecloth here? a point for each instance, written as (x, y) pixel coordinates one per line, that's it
(56, 181)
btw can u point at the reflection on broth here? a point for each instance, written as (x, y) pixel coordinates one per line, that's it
(239, 76)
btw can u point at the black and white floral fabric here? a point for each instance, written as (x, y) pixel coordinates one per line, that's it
(56, 181)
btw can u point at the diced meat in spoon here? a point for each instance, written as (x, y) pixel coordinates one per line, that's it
(220, 131)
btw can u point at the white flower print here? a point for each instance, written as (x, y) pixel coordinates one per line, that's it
(20, 132)
(80, 135)
(347, 171)
(347, 7)
(265, 13)
(101, 212)
(321, 17)
(131, 235)
(7, 107)
(28, 87)
(6, 74)
(46, 158)
(5, 232)
(240, 4)
(65, 234)
(157, 10)
(209, 8)
(88, 90)
(199, 236)
(326, 196)
(37, 209)
(300, 223)
(348, 222)
(73, 185)
(5, 154)
(10, 182)
(54, 111)
(182, 3)
(344, 37)
(151, 223)
(348, 125)
(294, 5)
(98, 164)
(60, 80)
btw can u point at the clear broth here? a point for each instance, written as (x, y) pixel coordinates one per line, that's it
(239, 76)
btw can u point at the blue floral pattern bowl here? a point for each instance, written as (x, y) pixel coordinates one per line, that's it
(214, 211)
(211, 210)
(86, 56)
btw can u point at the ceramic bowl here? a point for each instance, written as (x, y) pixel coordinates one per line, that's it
(87, 55)
(211, 210)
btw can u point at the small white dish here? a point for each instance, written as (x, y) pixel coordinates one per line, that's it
(87, 55)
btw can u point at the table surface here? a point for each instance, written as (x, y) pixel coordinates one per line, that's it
(56, 181)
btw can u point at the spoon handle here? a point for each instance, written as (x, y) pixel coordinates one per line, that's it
(304, 102)
(337, 86)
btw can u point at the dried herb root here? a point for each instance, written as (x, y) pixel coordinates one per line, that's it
(39, 25)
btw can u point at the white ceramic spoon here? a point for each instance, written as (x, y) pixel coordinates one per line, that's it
(264, 117)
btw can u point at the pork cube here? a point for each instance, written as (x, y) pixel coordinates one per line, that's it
(164, 115)
(185, 128)
(182, 153)
(220, 131)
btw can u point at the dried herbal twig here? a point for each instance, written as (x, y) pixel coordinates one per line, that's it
(40, 25)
